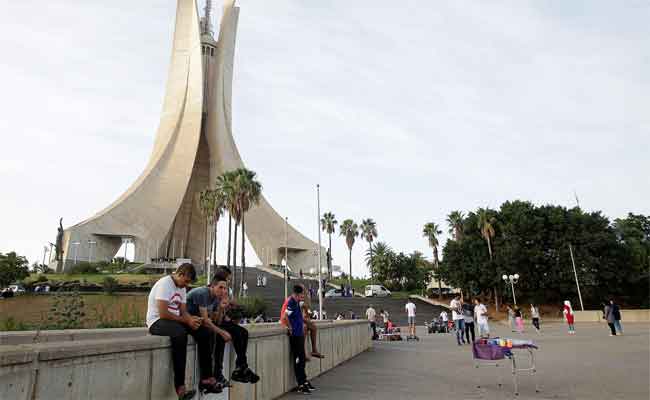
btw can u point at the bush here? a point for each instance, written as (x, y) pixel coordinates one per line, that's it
(110, 285)
(67, 311)
(252, 306)
(41, 278)
(10, 324)
(84, 267)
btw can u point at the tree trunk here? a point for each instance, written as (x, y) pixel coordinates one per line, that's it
(229, 235)
(350, 276)
(496, 299)
(435, 258)
(214, 242)
(243, 253)
(329, 258)
(234, 261)
(205, 247)
(372, 266)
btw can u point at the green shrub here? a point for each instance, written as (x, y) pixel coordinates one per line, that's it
(67, 311)
(84, 267)
(41, 278)
(10, 324)
(110, 285)
(252, 306)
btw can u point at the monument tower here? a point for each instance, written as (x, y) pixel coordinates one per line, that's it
(194, 145)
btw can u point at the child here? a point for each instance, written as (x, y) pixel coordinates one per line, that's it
(568, 314)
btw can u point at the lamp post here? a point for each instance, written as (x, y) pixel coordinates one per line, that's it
(44, 253)
(284, 270)
(512, 279)
(320, 279)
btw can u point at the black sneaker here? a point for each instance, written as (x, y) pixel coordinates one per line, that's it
(310, 386)
(303, 389)
(223, 382)
(206, 388)
(188, 395)
(245, 375)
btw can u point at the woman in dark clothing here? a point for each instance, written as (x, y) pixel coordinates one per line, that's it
(609, 316)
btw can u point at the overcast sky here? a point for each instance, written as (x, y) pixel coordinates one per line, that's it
(402, 110)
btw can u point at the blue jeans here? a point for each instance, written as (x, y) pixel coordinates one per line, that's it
(618, 326)
(460, 330)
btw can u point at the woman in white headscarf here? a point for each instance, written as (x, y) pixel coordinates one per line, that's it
(568, 314)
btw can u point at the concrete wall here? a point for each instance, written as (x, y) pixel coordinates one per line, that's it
(130, 364)
(626, 316)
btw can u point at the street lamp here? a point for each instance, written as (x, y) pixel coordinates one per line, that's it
(512, 279)
(284, 270)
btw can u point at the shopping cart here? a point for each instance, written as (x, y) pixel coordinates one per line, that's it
(494, 352)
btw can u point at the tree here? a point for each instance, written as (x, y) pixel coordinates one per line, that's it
(249, 191)
(328, 224)
(369, 233)
(431, 232)
(486, 226)
(351, 231)
(225, 184)
(455, 221)
(211, 205)
(381, 261)
(13, 268)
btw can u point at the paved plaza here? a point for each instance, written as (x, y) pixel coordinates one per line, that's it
(589, 365)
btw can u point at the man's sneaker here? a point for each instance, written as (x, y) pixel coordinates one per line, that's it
(303, 389)
(223, 382)
(206, 388)
(310, 386)
(245, 375)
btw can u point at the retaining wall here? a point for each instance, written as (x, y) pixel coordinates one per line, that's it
(626, 316)
(131, 364)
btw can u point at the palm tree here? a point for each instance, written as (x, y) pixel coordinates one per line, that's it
(369, 233)
(249, 191)
(455, 221)
(225, 184)
(350, 230)
(431, 231)
(381, 259)
(211, 205)
(486, 222)
(328, 224)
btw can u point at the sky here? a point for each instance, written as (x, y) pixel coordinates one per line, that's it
(401, 111)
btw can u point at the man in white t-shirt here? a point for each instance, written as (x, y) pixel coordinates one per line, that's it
(444, 319)
(371, 314)
(410, 311)
(459, 320)
(481, 318)
(167, 316)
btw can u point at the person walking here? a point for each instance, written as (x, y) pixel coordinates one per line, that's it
(617, 317)
(534, 314)
(459, 321)
(371, 314)
(608, 314)
(385, 317)
(444, 318)
(511, 319)
(468, 316)
(410, 312)
(482, 319)
(568, 315)
(519, 320)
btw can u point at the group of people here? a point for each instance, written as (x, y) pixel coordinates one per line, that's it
(465, 316)
(207, 314)
(261, 280)
(516, 318)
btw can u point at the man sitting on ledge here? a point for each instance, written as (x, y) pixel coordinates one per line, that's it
(211, 303)
(227, 319)
(167, 316)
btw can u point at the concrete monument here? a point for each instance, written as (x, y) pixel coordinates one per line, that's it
(194, 144)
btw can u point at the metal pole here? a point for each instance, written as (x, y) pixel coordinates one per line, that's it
(514, 298)
(44, 253)
(573, 262)
(286, 256)
(320, 279)
(126, 245)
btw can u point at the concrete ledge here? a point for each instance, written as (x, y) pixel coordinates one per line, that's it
(131, 364)
(626, 316)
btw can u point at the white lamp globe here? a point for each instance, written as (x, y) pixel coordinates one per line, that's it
(511, 277)
(505, 277)
(516, 276)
